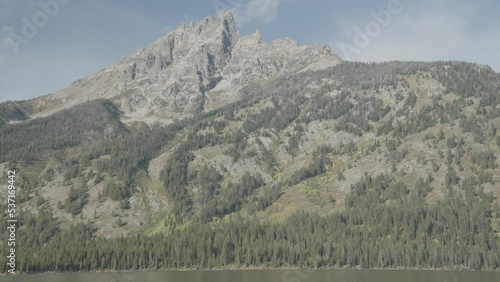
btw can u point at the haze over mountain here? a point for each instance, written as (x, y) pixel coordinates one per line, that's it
(206, 149)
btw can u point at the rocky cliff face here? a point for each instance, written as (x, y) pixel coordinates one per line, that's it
(195, 68)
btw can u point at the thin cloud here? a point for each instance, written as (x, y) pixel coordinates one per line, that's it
(264, 11)
(4, 43)
(432, 31)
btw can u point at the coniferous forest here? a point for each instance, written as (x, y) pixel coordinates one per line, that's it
(391, 165)
(385, 225)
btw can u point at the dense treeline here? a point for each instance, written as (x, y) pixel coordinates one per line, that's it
(76, 199)
(232, 197)
(11, 111)
(385, 225)
(318, 165)
(121, 161)
(462, 79)
(465, 79)
(67, 128)
(174, 174)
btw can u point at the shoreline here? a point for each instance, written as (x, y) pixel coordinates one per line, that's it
(261, 269)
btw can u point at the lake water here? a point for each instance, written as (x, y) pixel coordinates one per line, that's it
(266, 276)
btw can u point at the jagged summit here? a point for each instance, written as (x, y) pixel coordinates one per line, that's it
(197, 67)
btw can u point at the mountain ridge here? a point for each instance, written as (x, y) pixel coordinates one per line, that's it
(197, 67)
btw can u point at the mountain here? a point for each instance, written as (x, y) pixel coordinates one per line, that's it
(196, 68)
(208, 150)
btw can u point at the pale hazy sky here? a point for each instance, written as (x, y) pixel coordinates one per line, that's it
(75, 38)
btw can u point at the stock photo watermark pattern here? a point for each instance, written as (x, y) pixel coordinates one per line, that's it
(121, 277)
(364, 35)
(32, 24)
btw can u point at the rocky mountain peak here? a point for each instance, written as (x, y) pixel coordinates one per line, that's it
(197, 67)
(223, 23)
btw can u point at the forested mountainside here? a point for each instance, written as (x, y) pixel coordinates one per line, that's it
(357, 165)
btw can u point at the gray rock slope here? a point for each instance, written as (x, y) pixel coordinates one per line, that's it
(197, 67)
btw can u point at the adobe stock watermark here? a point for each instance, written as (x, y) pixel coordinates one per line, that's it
(32, 25)
(304, 275)
(122, 277)
(364, 36)
(299, 275)
(225, 5)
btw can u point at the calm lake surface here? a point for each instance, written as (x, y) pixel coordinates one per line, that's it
(266, 276)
